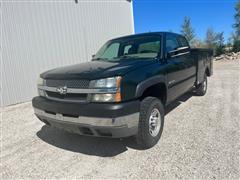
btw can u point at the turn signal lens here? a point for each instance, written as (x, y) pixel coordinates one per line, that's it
(118, 97)
(118, 93)
(118, 81)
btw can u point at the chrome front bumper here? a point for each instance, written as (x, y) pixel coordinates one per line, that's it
(110, 127)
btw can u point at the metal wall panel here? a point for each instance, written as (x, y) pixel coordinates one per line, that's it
(40, 35)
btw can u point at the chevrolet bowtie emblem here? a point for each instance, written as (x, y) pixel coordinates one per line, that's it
(62, 90)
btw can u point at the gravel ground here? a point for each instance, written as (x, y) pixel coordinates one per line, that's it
(200, 141)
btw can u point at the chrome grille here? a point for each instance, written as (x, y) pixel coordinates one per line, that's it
(67, 97)
(80, 84)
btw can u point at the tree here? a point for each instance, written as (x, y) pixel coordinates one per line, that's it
(219, 44)
(220, 38)
(197, 43)
(236, 26)
(236, 46)
(187, 30)
(233, 37)
(215, 41)
(211, 37)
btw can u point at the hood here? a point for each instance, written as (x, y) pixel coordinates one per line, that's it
(96, 69)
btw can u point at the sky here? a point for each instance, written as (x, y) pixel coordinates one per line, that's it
(168, 15)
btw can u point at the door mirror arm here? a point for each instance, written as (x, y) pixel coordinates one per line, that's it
(170, 54)
(160, 58)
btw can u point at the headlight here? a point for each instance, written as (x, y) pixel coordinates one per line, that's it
(40, 81)
(112, 83)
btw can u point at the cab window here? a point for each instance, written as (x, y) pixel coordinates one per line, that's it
(149, 47)
(183, 42)
(171, 43)
(111, 51)
(126, 49)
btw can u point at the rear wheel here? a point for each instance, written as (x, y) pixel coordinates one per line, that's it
(201, 89)
(151, 122)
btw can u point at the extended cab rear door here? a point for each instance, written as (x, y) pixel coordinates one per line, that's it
(180, 69)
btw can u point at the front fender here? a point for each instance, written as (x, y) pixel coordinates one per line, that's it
(141, 87)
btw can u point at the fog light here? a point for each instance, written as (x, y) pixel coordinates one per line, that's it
(41, 92)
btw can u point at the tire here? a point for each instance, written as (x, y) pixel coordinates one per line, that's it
(148, 136)
(201, 89)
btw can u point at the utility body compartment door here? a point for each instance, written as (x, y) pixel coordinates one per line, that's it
(203, 61)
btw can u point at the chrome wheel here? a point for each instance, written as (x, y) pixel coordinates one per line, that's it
(154, 122)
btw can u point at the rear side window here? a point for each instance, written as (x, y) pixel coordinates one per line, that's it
(149, 47)
(183, 42)
(171, 43)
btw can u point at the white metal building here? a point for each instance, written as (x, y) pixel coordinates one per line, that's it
(38, 35)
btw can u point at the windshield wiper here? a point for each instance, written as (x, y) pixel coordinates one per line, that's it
(125, 57)
(97, 59)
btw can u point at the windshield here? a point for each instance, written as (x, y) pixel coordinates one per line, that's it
(136, 47)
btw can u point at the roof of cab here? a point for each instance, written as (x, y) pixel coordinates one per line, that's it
(144, 34)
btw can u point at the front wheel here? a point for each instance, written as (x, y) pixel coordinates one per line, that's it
(151, 122)
(201, 89)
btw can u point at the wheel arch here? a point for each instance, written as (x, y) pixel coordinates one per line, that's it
(154, 86)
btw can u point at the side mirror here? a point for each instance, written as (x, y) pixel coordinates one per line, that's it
(93, 56)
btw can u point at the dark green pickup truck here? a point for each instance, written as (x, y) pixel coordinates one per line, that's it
(124, 90)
